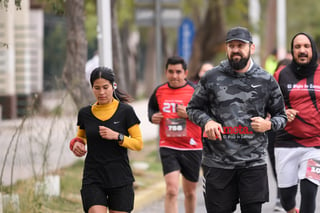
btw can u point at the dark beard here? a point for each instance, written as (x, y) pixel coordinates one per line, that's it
(238, 65)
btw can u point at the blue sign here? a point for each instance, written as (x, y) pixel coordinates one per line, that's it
(185, 39)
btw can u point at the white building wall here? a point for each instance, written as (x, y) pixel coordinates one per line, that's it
(36, 49)
(22, 48)
(7, 50)
(21, 57)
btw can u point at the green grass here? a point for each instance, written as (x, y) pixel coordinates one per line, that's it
(70, 184)
(32, 202)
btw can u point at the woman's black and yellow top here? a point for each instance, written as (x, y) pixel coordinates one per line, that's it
(107, 162)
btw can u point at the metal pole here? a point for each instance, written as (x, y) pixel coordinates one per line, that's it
(159, 69)
(281, 29)
(158, 41)
(104, 33)
(254, 15)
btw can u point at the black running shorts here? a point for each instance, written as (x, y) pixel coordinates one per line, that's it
(119, 198)
(188, 162)
(224, 188)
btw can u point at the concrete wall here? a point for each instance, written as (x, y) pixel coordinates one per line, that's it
(21, 58)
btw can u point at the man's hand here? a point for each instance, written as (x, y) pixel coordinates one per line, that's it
(259, 124)
(213, 130)
(156, 118)
(182, 111)
(291, 114)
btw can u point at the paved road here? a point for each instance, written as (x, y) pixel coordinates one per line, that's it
(158, 206)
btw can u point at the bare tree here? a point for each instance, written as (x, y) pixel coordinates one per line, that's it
(150, 74)
(74, 69)
(119, 64)
(209, 37)
(270, 30)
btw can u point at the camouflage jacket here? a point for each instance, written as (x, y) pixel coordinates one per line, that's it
(231, 99)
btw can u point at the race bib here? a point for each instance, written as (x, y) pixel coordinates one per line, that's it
(176, 127)
(313, 169)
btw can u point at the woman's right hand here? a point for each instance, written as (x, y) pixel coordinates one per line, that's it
(79, 149)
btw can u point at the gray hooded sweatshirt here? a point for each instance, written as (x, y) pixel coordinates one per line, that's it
(232, 99)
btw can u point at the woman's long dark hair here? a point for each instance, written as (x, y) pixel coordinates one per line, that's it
(108, 74)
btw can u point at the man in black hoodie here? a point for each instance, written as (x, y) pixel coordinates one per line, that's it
(231, 105)
(297, 146)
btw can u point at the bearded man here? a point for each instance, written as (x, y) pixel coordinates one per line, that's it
(231, 105)
(297, 147)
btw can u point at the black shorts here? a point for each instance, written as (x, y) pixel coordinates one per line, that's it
(188, 162)
(119, 198)
(225, 187)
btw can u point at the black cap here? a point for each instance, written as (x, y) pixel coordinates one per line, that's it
(240, 34)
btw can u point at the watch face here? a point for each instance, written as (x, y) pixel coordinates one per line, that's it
(120, 137)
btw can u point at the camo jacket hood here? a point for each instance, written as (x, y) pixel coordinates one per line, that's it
(232, 99)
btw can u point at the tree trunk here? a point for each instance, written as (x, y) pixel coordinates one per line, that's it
(270, 30)
(129, 50)
(150, 68)
(118, 62)
(210, 36)
(76, 57)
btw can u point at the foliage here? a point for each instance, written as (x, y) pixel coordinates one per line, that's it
(303, 16)
(91, 23)
(4, 3)
(56, 9)
(53, 6)
(194, 8)
(54, 51)
(125, 12)
(236, 13)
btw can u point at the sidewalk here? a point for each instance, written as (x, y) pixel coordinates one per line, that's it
(149, 130)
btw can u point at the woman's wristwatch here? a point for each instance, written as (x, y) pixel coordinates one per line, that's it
(120, 137)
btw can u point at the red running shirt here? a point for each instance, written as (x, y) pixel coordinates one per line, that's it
(304, 96)
(175, 132)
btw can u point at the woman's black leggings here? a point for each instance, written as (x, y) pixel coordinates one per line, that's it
(308, 191)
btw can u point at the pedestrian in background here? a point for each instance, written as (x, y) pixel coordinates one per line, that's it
(297, 147)
(180, 143)
(231, 105)
(271, 62)
(108, 128)
(203, 68)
